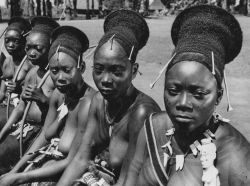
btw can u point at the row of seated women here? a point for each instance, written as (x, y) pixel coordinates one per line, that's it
(63, 132)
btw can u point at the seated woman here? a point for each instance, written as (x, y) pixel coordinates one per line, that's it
(37, 47)
(67, 115)
(189, 144)
(118, 110)
(10, 59)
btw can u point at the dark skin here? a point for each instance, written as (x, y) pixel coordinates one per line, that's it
(64, 73)
(14, 44)
(112, 73)
(191, 95)
(40, 96)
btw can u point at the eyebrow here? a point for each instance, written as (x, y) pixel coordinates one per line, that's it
(193, 86)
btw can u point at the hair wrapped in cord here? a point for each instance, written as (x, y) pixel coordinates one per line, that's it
(43, 25)
(206, 34)
(129, 29)
(69, 40)
(19, 24)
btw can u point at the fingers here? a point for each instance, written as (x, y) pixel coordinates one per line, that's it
(10, 86)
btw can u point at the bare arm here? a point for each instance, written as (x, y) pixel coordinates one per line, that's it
(137, 161)
(15, 115)
(135, 124)
(40, 141)
(14, 118)
(80, 162)
(56, 167)
(2, 91)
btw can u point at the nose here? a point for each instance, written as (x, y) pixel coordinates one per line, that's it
(11, 44)
(184, 103)
(61, 79)
(32, 54)
(106, 80)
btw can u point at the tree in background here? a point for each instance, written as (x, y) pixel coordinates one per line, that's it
(75, 8)
(87, 10)
(93, 8)
(100, 2)
(15, 9)
(113, 4)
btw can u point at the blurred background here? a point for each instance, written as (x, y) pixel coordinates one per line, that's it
(95, 9)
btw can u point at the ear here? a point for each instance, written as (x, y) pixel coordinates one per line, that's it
(82, 67)
(219, 96)
(135, 67)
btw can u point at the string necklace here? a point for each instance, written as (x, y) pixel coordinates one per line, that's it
(110, 121)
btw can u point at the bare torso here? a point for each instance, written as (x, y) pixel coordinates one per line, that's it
(66, 128)
(124, 131)
(38, 112)
(9, 69)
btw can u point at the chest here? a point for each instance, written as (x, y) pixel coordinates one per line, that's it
(9, 69)
(47, 86)
(115, 137)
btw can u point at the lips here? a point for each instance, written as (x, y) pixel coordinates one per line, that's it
(10, 50)
(107, 92)
(183, 118)
(62, 88)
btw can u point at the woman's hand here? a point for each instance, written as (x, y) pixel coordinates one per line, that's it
(11, 86)
(32, 93)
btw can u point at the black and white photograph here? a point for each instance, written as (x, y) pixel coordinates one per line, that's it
(124, 93)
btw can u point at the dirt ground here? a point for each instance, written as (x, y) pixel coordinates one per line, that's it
(157, 52)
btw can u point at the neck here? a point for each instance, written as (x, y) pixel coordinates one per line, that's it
(185, 137)
(117, 107)
(79, 91)
(41, 71)
(17, 59)
(122, 99)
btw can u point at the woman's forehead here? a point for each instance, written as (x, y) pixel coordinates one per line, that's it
(110, 49)
(12, 33)
(190, 72)
(62, 59)
(111, 56)
(37, 38)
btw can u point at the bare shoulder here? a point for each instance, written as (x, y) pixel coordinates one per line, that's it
(142, 108)
(230, 140)
(97, 100)
(161, 121)
(27, 65)
(31, 73)
(2, 59)
(85, 101)
(233, 155)
(144, 105)
(56, 97)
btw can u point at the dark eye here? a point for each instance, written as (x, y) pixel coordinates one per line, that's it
(173, 91)
(54, 70)
(66, 70)
(98, 69)
(39, 48)
(117, 70)
(199, 94)
(7, 40)
(118, 73)
(17, 41)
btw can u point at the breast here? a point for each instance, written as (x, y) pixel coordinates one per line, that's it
(8, 69)
(117, 148)
(34, 113)
(68, 134)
